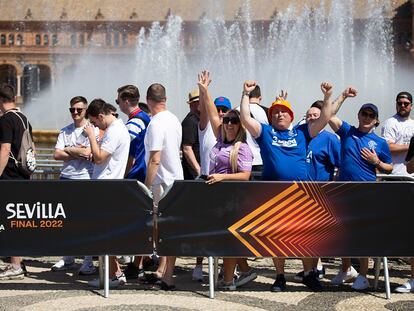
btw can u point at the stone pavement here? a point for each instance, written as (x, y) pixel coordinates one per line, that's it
(46, 290)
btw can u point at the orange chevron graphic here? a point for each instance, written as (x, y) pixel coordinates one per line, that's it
(292, 223)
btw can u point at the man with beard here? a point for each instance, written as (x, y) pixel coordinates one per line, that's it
(398, 130)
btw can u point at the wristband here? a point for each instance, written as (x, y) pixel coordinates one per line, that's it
(244, 93)
(378, 163)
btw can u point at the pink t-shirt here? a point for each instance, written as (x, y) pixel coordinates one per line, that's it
(220, 158)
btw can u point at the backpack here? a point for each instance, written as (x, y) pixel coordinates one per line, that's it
(25, 161)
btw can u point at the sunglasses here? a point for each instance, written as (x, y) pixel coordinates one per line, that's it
(233, 120)
(405, 104)
(367, 114)
(78, 110)
(222, 109)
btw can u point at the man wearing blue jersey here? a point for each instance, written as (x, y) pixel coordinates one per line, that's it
(128, 100)
(281, 144)
(138, 120)
(323, 150)
(322, 158)
(362, 154)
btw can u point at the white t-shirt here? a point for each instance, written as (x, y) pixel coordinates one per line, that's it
(398, 131)
(164, 134)
(207, 141)
(70, 136)
(260, 115)
(116, 142)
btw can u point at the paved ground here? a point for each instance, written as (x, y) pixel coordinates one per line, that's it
(45, 290)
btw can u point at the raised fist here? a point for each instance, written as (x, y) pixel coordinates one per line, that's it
(326, 88)
(249, 85)
(349, 92)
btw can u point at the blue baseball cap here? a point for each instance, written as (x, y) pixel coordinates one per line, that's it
(222, 102)
(370, 106)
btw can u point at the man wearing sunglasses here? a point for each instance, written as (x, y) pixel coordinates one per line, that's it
(398, 131)
(72, 147)
(280, 144)
(362, 154)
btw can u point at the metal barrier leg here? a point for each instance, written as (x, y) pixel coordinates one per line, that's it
(211, 277)
(101, 271)
(106, 280)
(215, 271)
(386, 279)
(377, 271)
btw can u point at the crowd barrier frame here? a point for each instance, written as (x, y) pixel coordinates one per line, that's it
(137, 198)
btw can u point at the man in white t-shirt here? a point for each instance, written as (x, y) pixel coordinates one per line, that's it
(398, 130)
(72, 147)
(110, 158)
(258, 113)
(162, 155)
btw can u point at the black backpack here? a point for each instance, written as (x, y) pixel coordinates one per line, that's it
(25, 160)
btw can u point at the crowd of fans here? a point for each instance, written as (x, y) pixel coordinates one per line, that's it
(217, 142)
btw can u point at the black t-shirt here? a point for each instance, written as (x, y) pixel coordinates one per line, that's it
(11, 131)
(410, 152)
(190, 137)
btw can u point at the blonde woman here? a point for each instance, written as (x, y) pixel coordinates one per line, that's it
(230, 159)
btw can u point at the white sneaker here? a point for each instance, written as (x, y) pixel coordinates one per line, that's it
(407, 287)
(360, 283)
(245, 277)
(61, 265)
(344, 277)
(198, 273)
(87, 268)
(115, 282)
(10, 273)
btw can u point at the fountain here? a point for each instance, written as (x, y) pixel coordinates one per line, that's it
(296, 51)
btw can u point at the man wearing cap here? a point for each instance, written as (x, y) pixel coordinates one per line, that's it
(282, 144)
(362, 154)
(190, 145)
(398, 130)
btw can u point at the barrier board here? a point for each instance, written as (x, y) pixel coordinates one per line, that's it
(289, 219)
(88, 217)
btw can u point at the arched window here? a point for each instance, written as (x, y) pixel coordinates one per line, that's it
(54, 39)
(3, 39)
(19, 39)
(11, 39)
(38, 39)
(45, 39)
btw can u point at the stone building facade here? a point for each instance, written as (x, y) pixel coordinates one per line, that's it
(40, 39)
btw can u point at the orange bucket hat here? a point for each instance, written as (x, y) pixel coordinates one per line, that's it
(281, 103)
